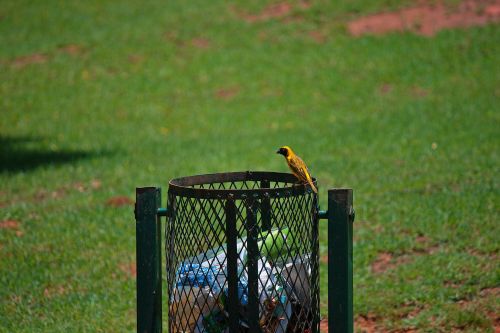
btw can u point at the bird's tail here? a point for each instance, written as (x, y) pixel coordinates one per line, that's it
(315, 190)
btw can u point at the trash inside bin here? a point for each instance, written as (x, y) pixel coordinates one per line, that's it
(199, 287)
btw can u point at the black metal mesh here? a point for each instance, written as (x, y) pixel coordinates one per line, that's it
(242, 254)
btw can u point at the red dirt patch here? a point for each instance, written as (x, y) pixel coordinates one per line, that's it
(493, 256)
(79, 186)
(119, 201)
(135, 58)
(317, 36)
(200, 43)
(304, 4)
(41, 58)
(465, 303)
(492, 10)
(71, 49)
(44, 194)
(452, 284)
(479, 305)
(227, 93)
(9, 224)
(64, 190)
(427, 19)
(323, 325)
(95, 184)
(366, 324)
(412, 310)
(429, 247)
(35, 58)
(12, 225)
(419, 92)
(274, 11)
(422, 239)
(494, 291)
(382, 263)
(58, 193)
(495, 320)
(324, 259)
(293, 19)
(385, 88)
(130, 269)
(386, 260)
(52, 291)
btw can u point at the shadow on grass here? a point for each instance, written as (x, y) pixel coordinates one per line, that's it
(18, 154)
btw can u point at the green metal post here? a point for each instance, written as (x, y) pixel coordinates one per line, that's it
(340, 218)
(148, 252)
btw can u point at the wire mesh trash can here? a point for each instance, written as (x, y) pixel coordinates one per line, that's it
(241, 253)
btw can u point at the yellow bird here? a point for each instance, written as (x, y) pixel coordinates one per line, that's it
(298, 167)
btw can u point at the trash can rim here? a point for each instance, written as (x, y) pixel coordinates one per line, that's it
(184, 186)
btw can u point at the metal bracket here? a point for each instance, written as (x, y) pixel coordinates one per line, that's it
(162, 212)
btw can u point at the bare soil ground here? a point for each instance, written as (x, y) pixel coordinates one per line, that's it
(427, 19)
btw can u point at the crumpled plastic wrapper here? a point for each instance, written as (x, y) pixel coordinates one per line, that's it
(297, 274)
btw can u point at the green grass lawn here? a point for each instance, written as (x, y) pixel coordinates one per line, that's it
(98, 97)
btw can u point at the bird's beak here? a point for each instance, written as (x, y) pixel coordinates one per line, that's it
(278, 151)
